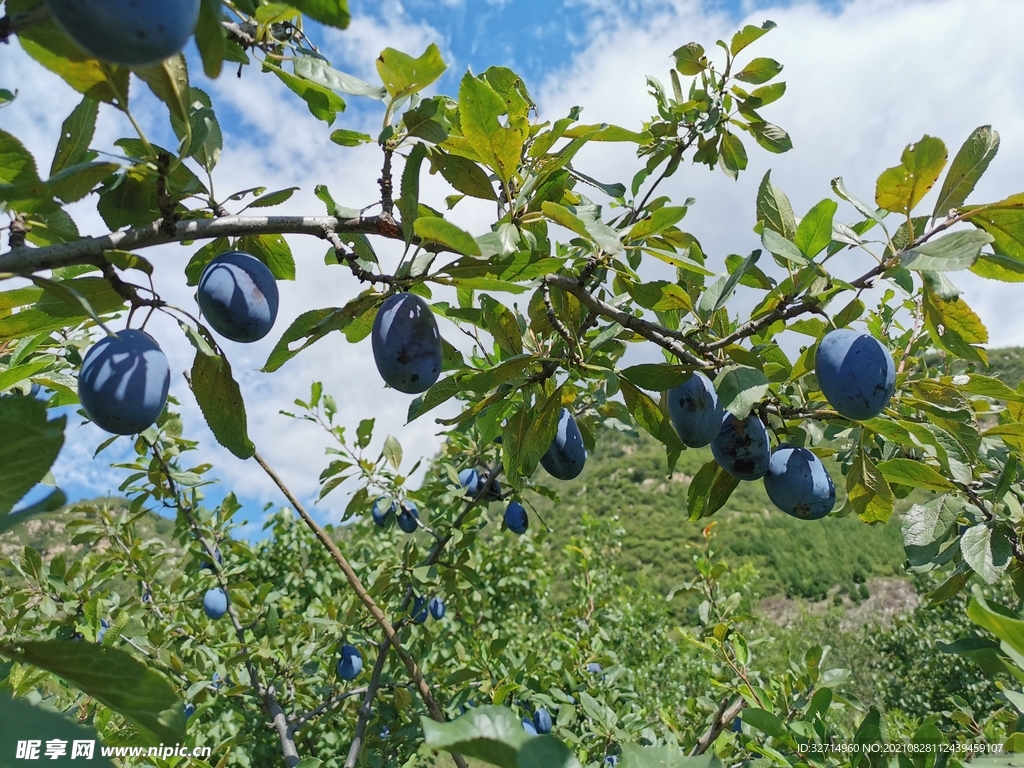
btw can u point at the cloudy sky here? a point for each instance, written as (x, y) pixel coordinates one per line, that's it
(865, 78)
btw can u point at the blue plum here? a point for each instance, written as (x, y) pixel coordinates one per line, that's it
(436, 607)
(566, 455)
(238, 296)
(469, 479)
(408, 518)
(542, 721)
(737, 725)
(611, 760)
(104, 626)
(493, 487)
(593, 667)
(351, 662)
(124, 381)
(215, 602)
(419, 610)
(406, 343)
(190, 709)
(855, 373)
(516, 518)
(695, 411)
(129, 32)
(383, 515)
(798, 483)
(741, 447)
(529, 727)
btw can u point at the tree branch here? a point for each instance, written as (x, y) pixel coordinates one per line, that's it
(15, 23)
(723, 717)
(673, 341)
(365, 711)
(363, 595)
(90, 250)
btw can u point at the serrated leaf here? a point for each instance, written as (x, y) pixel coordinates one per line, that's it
(957, 250)
(75, 136)
(759, 70)
(900, 189)
(709, 490)
(740, 388)
(749, 34)
(403, 75)
(970, 163)
(915, 474)
(867, 491)
(987, 550)
(774, 208)
(437, 230)
(815, 230)
(168, 81)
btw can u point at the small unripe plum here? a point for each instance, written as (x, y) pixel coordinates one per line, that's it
(238, 296)
(129, 32)
(406, 343)
(741, 447)
(566, 455)
(408, 518)
(529, 727)
(436, 607)
(516, 518)
(351, 662)
(419, 610)
(855, 373)
(542, 721)
(798, 483)
(124, 381)
(695, 410)
(383, 515)
(215, 602)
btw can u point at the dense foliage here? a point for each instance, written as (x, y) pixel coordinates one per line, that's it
(119, 639)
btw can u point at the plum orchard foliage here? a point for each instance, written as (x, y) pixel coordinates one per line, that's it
(552, 295)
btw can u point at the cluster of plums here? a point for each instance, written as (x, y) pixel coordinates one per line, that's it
(124, 379)
(540, 723)
(855, 373)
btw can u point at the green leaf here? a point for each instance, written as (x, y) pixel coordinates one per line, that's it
(23, 722)
(987, 550)
(749, 34)
(1000, 623)
(76, 181)
(323, 103)
(649, 416)
(546, 751)
(29, 448)
(273, 198)
(968, 166)
(492, 734)
(393, 451)
(766, 722)
(634, 756)
(774, 209)
(53, 312)
(782, 247)
(433, 229)
(131, 200)
(915, 474)
(318, 71)
(272, 250)
(333, 13)
(311, 326)
(867, 491)
(347, 138)
(220, 400)
(657, 377)
(409, 203)
(957, 250)
(690, 59)
(115, 679)
(926, 526)
(759, 70)
(441, 391)
(467, 177)
(955, 327)
(53, 501)
(502, 325)
(901, 188)
(733, 155)
(403, 75)
(709, 490)
(20, 185)
(211, 37)
(740, 388)
(815, 231)
(75, 136)
(168, 81)
(771, 137)
(498, 146)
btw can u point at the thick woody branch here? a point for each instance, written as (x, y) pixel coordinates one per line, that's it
(90, 250)
(673, 341)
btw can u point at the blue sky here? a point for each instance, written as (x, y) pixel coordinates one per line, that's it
(862, 79)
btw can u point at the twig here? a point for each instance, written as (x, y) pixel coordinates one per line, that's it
(724, 715)
(15, 23)
(365, 710)
(570, 343)
(362, 594)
